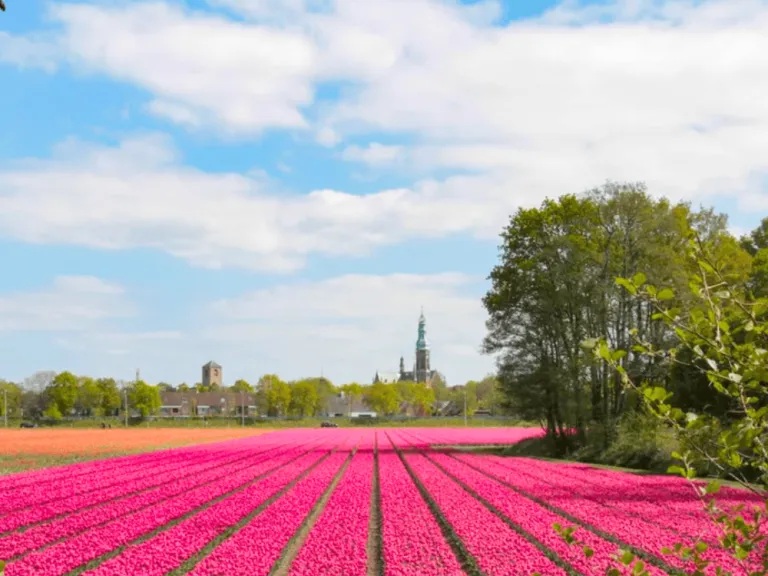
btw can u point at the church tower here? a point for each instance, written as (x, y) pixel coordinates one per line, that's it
(422, 371)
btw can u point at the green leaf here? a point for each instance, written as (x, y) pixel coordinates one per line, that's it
(639, 279)
(638, 568)
(676, 470)
(588, 552)
(665, 294)
(627, 285)
(626, 557)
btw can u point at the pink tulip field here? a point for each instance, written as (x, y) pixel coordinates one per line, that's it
(345, 501)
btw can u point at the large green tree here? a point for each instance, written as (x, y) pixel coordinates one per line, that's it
(12, 392)
(273, 396)
(88, 401)
(62, 393)
(304, 398)
(555, 286)
(382, 398)
(144, 398)
(110, 396)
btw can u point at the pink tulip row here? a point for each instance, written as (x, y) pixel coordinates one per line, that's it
(254, 550)
(424, 437)
(82, 502)
(71, 471)
(171, 548)
(91, 485)
(537, 520)
(497, 548)
(677, 511)
(69, 554)
(629, 530)
(413, 542)
(681, 513)
(169, 485)
(337, 544)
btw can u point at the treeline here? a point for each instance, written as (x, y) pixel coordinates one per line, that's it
(66, 395)
(555, 288)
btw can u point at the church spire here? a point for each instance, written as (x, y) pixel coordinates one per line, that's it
(421, 341)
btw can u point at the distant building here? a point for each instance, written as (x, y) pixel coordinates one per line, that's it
(342, 405)
(193, 403)
(212, 374)
(422, 370)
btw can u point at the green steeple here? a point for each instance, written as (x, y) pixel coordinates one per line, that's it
(421, 342)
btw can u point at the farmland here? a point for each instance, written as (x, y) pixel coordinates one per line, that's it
(27, 449)
(341, 501)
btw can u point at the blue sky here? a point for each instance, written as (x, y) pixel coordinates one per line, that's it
(280, 187)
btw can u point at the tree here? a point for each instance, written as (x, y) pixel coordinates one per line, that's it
(183, 387)
(110, 396)
(273, 396)
(304, 398)
(143, 398)
(88, 401)
(63, 392)
(720, 328)
(241, 386)
(554, 287)
(165, 387)
(382, 398)
(13, 393)
(423, 399)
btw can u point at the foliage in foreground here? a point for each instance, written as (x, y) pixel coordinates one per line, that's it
(719, 327)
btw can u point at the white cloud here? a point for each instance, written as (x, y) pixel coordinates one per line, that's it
(202, 68)
(138, 195)
(666, 92)
(353, 325)
(374, 154)
(71, 304)
(33, 52)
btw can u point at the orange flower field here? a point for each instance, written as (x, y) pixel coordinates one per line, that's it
(63, 442)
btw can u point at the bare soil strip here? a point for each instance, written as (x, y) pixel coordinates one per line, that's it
(283, 564)
(466, 560)
(375, 548)
(650, 558)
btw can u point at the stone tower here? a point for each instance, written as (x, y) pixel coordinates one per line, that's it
(423, 371)
(212, 375)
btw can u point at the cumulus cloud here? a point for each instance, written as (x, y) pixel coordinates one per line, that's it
(71, 304)
(138, 194)
(355, 324)
(666, 92)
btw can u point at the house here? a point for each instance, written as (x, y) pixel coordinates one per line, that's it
(343, 405)
(193, 403)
